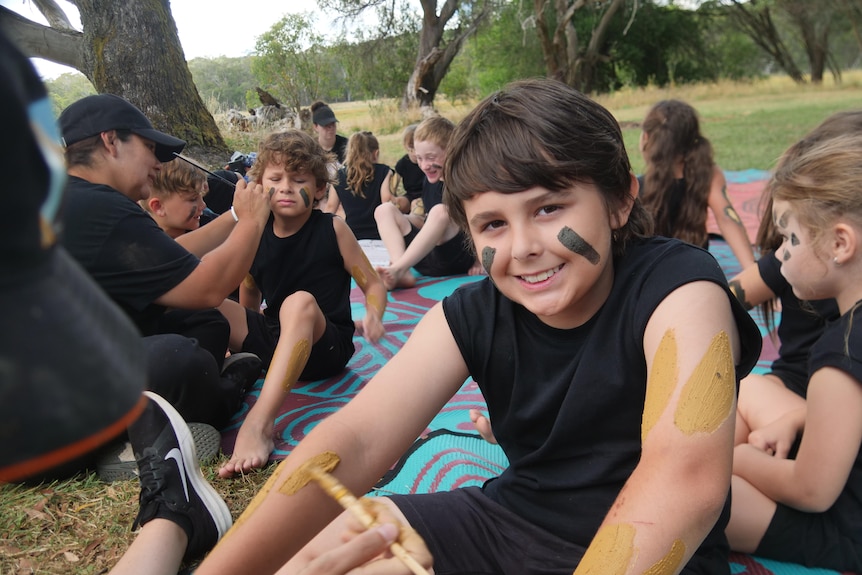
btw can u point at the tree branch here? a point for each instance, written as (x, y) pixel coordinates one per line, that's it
(35, 40)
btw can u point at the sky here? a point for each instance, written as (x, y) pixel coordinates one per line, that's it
(207, 28)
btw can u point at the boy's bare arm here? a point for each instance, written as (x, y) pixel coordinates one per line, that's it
(749, 288)
(357, 265)
(677, 491)
(368, 434)
(250, 296)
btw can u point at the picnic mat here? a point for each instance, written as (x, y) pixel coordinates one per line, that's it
(450, 454)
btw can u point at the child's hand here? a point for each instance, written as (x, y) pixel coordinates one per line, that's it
(367, 551)
(371, 328)
(775, 439)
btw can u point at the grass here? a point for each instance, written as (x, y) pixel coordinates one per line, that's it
(82, 526)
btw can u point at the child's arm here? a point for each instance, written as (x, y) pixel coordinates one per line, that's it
(833, 432)
(728, 220)
(386, 194)
(749, 288)
(679, 487)
(368, 435)
(358, 266)
(332, 201)
(250, 296)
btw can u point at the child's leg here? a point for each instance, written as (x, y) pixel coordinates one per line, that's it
(750, 514)
(438, 229)
(762, 400)
(302, 324)
(235, 315)
(393, 226)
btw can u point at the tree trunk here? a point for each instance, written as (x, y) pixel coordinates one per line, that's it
(433, 61)
(132, 49)
(756, 22)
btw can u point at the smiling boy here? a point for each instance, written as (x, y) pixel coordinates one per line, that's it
(302, 271)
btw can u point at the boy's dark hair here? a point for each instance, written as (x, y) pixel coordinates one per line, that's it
(544, 133)
(297, 152)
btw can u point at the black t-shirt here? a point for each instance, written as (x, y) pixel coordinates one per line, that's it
(800, 325)
(412, 177)
(359, 210)
(567, 405)
(840, 347)
(339, 148)
(123, 249)
(309, 260)
(432, 194)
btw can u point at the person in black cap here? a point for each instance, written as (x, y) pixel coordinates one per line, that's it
(325, 125)
(167, 287)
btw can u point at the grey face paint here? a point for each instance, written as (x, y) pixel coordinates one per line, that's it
(794, 240)
(304, 195)
(575, 243)
(271, 193)
(782, 220)
(785, 256)
(488, 254)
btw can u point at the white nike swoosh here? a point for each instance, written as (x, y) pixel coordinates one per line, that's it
(177, 456)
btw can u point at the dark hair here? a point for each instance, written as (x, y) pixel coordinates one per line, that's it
(81, 153)
(673, 133)
(541, 132)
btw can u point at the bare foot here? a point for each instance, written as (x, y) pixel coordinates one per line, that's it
(393, 279)
(483, 426)
(476, 270)
(251, 450)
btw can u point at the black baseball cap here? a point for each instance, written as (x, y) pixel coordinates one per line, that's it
(93, 115)
(323, 116)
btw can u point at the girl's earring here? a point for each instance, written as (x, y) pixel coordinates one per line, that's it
(836, 262)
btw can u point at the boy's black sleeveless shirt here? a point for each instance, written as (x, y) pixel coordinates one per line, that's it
(567, 405)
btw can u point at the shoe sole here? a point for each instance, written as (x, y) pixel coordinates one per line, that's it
(210, 498)
(119, 463)
(235, 357)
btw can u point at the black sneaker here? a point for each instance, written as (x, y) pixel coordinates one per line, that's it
(240, 371)
(172, 485)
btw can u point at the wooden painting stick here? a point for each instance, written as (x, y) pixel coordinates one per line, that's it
(349, 502)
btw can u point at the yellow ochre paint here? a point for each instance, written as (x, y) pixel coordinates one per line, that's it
(706, 400)
(359, 276)
(298, 359)
(661, 382)
(610, 552)
(374, 303)
(255, 502)
(248, 282)
(670, 562)
(327, 461)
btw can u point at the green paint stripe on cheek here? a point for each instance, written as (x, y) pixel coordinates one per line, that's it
(575, 243)
(304, 195)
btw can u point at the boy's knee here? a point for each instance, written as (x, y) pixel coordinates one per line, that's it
(386, 211)
(297, 303)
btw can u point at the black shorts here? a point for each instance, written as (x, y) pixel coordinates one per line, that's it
(328, 355)
(454, 257)
(469, 534)
(811, 539)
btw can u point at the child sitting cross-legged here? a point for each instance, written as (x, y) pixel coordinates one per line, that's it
(302, 270)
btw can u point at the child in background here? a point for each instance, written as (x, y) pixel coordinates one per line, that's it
(176, 199)
(681, 181)
(437, 247)
(409, 176)
(362, 185)
(302, 269)
(804, 507)
(615, 460)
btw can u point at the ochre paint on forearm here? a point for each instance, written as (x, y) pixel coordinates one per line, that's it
(610, 552)
(661, 382)
(670, 563)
